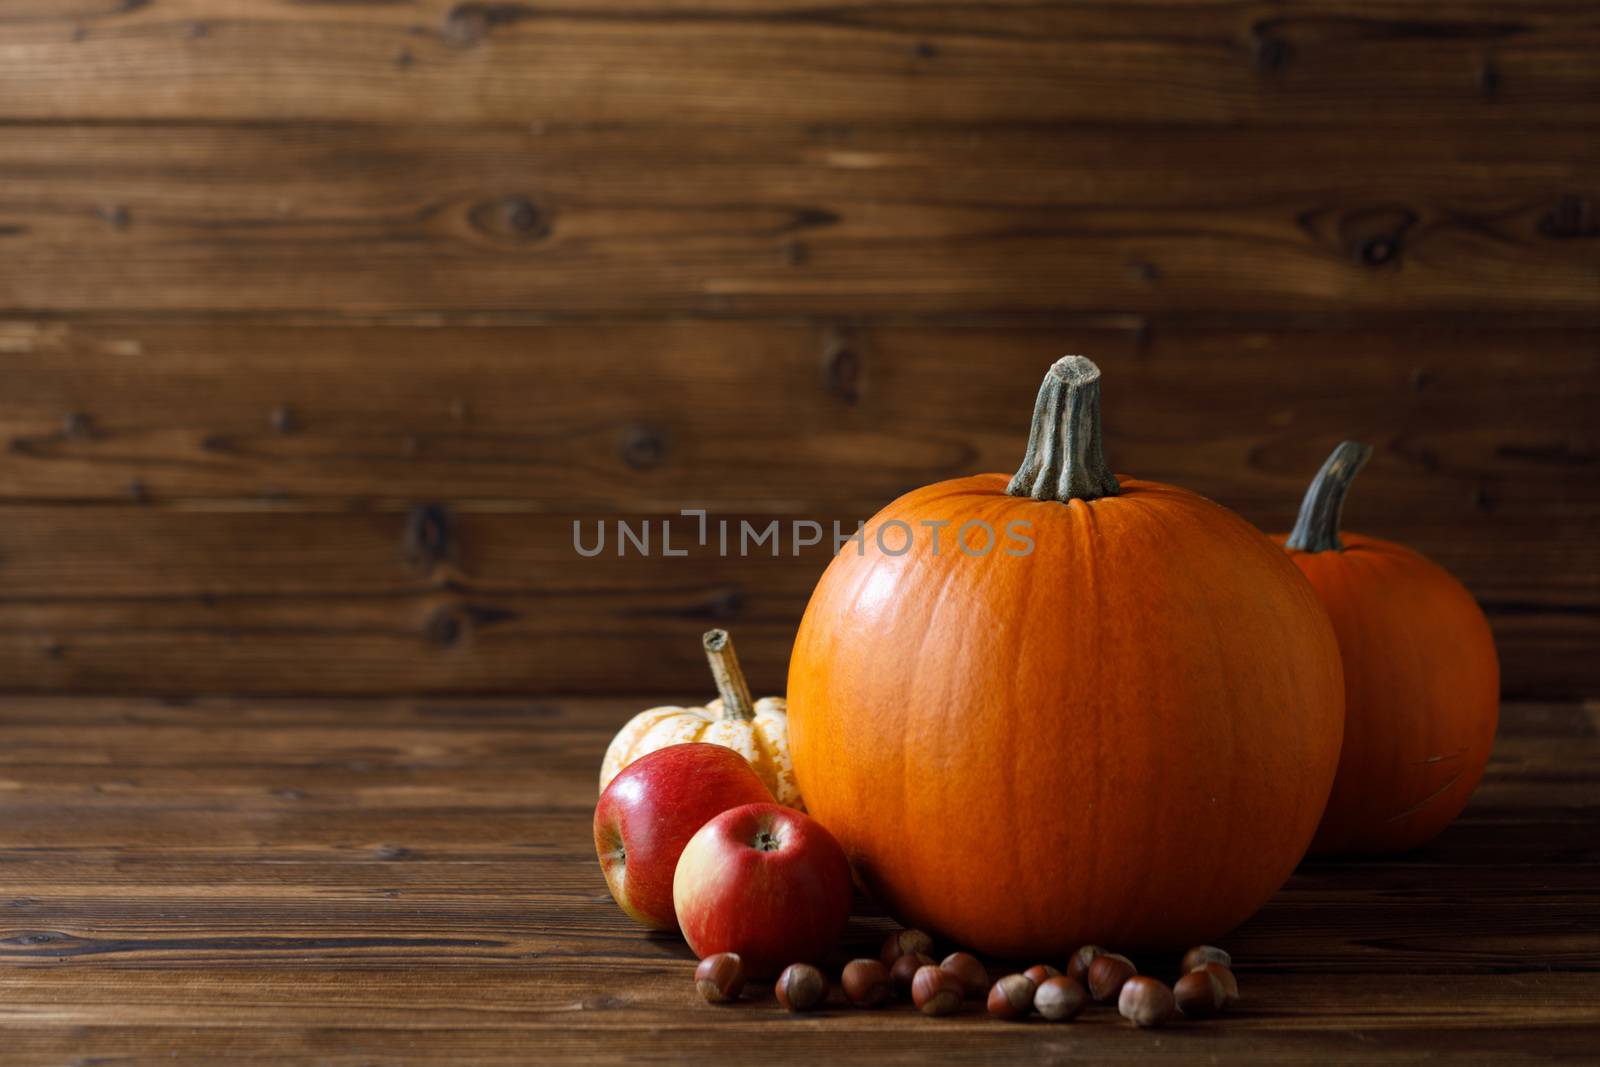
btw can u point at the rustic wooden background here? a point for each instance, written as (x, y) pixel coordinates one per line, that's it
(319, 322)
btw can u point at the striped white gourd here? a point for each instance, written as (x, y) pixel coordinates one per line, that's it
(756, 729)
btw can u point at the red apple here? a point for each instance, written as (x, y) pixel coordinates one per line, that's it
(767, 882)
(651, 810)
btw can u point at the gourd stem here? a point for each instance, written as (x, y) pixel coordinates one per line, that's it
(1317, 528)
(735, 691)
(1064, 461)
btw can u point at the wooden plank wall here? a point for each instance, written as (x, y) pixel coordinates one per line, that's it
(321, 322)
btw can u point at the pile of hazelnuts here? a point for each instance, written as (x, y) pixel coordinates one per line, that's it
(905, 969)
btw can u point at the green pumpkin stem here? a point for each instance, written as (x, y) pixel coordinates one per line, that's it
(737, 705)
(1064, 461)
(1317, 528)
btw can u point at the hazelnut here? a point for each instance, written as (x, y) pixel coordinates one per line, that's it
(1060, 998)
(905, 970)
(1201, 955)
(1078, 965)
(720, 977)
(905, 943)
(801, 987)
(1145, 1002)
(1230, 984)
(1011, 997)
(1106, 975)
(866, 983)
(966, 969)
(1040, 971)
(1200, 994)
(936, 991)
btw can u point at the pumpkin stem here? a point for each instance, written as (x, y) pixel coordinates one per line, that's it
(736, 703)
(1064, 461)
(1317, 528)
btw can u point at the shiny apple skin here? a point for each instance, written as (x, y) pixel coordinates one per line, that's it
(767, 882)
(649, 812)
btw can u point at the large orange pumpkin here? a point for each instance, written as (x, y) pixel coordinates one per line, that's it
(1124, 736)
(1422, 681)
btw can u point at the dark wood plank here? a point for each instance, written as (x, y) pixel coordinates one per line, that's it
(269, 508)
(155, 600)
(1473, 426)
(414, 880)
(853, 62)
(929, 218)
(1569, 1034)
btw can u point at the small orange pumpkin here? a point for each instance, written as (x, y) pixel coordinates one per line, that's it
(756, 729)
(1421, 678)
(1125, 736)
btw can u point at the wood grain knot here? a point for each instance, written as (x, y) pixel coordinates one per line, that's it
(34, 938)
(1571, 217)
(1482, 499)
(282, 419)
(1268, 52)
(841, 369)
(1376, 251)
(453, 624)
(1375, 236)
(471, 23)
(644, 448)
(428, 539)
(1419, 454)
(445, 627)
(722, 606)
(511, 218)
(1489, 80)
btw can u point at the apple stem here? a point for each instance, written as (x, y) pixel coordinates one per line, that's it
(737, 704)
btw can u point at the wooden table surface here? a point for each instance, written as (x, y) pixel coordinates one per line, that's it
(359, 882)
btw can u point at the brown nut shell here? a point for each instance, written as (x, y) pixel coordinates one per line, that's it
(1041, 971)
(905, 970)
(904, 943)
(1201, 955)
(1107, 974)
(1078, 965)
(966, 969)
(1146, 1002)
(866, 983)
(1011, 997)
(720, 977)
(1200, 994)
(936, 991)
(1230, 984)
(1060, 998)
(801, 987)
